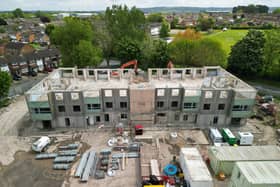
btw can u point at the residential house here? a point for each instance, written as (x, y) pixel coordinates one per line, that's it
(15, 49)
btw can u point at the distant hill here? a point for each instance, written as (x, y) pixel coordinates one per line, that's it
(190, 9)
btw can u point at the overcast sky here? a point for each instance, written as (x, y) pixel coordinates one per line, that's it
(102, 4)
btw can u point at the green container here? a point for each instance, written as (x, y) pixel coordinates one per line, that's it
(228, 136)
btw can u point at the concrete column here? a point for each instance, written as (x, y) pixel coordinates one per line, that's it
(108, 74)
(204, 72)
(74, 73)
(193, 72)
(149, 74)
(85, 74)
(95, 75)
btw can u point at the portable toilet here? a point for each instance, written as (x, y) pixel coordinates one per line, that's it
(245, 138)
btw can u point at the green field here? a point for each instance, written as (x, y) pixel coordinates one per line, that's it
(227, 38)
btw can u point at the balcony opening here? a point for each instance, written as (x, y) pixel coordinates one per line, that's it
(67, 122)
(106, 117)
(47, 124)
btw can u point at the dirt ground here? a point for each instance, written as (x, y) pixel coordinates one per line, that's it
(9, 146)
(13, 116)
(25, 171)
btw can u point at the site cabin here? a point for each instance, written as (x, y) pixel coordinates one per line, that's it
(215, 135)
(228, 136)
(195, 170)
(245, 138)
(41, 144)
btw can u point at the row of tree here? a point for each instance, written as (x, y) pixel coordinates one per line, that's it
(5, 83)
(122, 33)
(257, 55)
(251, 9)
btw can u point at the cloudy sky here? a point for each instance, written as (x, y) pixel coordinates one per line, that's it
(102, 4)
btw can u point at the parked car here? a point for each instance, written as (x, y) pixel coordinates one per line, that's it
(41, 144)
(48, 69)
(32, 73)
(17, 77)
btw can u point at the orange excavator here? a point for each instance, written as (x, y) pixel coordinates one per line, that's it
(129, 63)
(135, 63)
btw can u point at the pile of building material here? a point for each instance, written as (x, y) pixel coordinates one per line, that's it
(69, 146)
(87, 166)
(66, 155)
(63, 158)
(45, 156)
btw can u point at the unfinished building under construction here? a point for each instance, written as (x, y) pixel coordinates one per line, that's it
(190, 97)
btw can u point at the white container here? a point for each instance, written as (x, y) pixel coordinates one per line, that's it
(194, 168)
(40, 144)
(245, 138)
(216, 136)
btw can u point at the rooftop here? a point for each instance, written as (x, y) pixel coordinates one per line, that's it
(73, 79)
(196, 167)
(267, 172)
(246, 153)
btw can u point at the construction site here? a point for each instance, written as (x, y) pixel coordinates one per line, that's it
(76, 130)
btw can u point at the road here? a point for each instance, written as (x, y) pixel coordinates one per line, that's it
(19, 87)
(266, 89)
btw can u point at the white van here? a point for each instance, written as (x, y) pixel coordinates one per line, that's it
(215, 135)
(40, 144)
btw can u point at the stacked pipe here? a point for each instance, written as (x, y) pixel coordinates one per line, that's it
(87, 166)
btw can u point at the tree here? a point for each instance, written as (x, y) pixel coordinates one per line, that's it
(209, 52)
(164, 30)
(123, 22)
(3, 22)
(271, 51)
(5, 83)
(102, 37)
(105, 42)
(18, 13)
(155, 17)
(174, 23)
(85, 54)
(188, 34)
(2, 30)
(204, 24)
(276, 11)
(181, 52)
(128, 49)
(69, 35)
(154, 54)
(45, 19)
(201, 52)
(251, 9)
(49, 28)
(246, 57)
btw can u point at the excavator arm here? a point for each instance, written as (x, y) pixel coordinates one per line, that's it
(129, 63)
